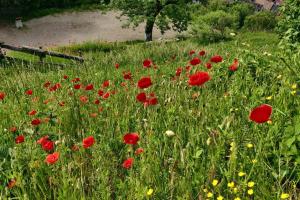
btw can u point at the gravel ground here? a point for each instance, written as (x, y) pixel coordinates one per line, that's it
(75, 27)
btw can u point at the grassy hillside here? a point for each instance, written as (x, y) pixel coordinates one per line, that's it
(216, 150)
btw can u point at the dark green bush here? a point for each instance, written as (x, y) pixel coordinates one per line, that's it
(264, 20)
(214, 26)
(22, 7)
(289, 24)
(242, 10)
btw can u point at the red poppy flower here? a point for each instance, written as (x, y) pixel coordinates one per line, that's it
(144, 82)
(234, 66)
(208, 65)
(88, 142)
(33, 112)
(127, 75)
(48, 145)
(138, 151)
(43, 140)
(100, 93)
(97, 101)
(131, 138)
(89, 87)
(147, 63)
(202, 53)
(152, 101)
(84, 99)
(117, 65)
(127, 164)
(52, 158)
(35, 122)
(29, 92)
(47, 84)
(55, 87)
(75, 80)
(106, 95)
(105, 83)
(11, 183)
(13, 129)
(65, 77)
(77, 86)
(199, 78)
(20, 139)
(2, 95)
(178, 71)
(195, 61)
(141, 97)
(261, 113)
(192, 52)
(216, 59)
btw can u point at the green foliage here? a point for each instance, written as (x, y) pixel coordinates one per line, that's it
(163, 13)
(214, 5)
(214, 26)
(289, 25)
(242, 10)
(264, 20)
(25, 7)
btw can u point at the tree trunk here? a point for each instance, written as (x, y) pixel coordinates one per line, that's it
(149, 29)
(151, 20)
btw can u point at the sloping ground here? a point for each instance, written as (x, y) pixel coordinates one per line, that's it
(68, 28)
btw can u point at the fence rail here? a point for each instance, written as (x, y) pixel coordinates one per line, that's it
(38, 52)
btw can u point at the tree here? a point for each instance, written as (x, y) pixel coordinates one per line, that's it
(163, 13)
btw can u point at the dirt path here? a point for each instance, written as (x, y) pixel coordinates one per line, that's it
(77, 27)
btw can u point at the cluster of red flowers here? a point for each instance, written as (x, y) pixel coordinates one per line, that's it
(87, 93)
(131, 139)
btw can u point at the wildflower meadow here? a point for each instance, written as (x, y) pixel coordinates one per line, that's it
(161, 120)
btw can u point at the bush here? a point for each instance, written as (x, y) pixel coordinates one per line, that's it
(289, 25)
(242, 10)
(215, 5)
(214, 26)
(264, 20)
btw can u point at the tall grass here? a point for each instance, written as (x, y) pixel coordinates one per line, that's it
(213, 134)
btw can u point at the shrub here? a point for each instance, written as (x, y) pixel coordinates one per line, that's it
(264, 20)
(242, 10)
(215, 5)
(214, 26)
(289, 25)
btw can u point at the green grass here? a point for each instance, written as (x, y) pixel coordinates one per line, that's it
(210, 123)
(51, 11)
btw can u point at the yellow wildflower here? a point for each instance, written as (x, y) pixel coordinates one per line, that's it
(284, 196)
(241, 174)
(250, 192)
(205, 190)
(215, 182)
(254, 161)
(251, 184)
(294, 86)
(235, 190)
(209, 194)
(231, 184)
(269, 97)
(150, 192)
(269, 121)
(237, 198)
(293, 92)
(249, 145)
(220, 198)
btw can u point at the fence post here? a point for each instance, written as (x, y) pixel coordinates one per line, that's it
(41, 55)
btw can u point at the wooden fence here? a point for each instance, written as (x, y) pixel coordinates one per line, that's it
(37, 52)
